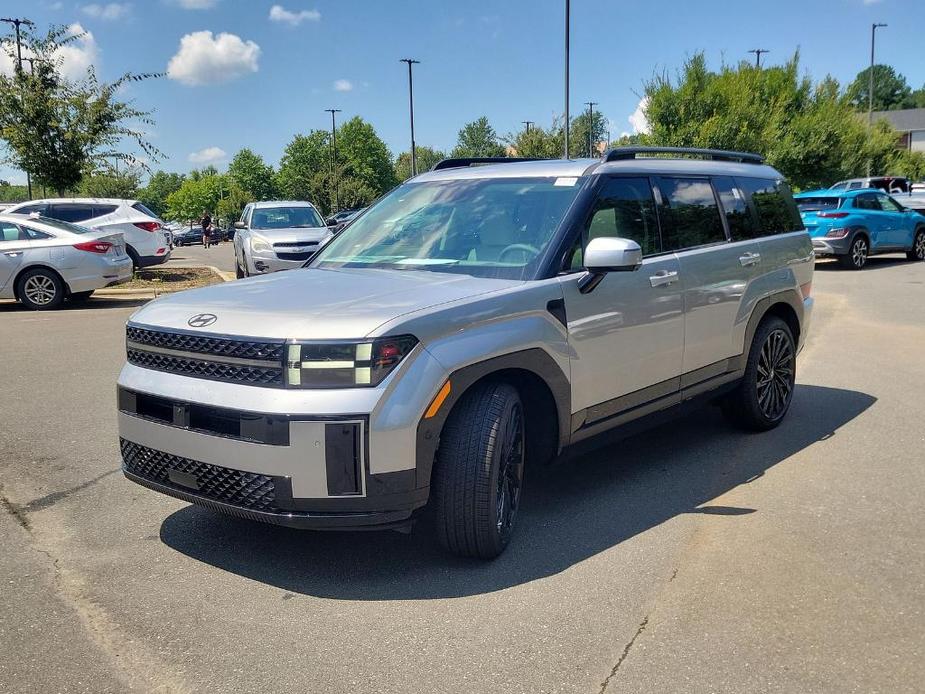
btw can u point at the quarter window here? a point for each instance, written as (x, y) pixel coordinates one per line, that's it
(740, 222)
(625, 208)
(693, 215)
(773, 204)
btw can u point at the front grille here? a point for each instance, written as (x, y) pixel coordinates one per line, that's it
(245, 490)
(295, 256)
(212, 370)
(207, 344)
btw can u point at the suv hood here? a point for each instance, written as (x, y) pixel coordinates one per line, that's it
(314, 304)
(292, 235)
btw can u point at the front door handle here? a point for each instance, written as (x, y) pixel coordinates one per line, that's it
(663, 278)
(749, 259)
(12, 254)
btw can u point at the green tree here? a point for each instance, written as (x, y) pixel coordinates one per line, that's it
(251, 173)
(11, 193)
(305, 168)
(160, 185)
(578, 134)
(195, 196)
(365, 156)
(55, 128)
(478, 139)
(545, 143)
(811, 133)
(425, 158)
(891, 91)
(232, 200)
(113, 184)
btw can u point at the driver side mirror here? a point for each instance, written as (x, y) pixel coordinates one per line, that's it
(240, 225)
(608, 254)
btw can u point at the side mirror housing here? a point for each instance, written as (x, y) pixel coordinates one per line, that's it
(240, 225)
(608, 254)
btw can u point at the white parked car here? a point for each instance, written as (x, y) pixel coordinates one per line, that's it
(146, 243)
(277, 235)
(45, 261)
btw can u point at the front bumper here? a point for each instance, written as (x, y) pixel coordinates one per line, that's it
(264, 263)
(149, 260)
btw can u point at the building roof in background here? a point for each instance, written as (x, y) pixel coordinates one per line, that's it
(904, 120)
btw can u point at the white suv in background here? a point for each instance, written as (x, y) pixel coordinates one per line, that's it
(146, 242)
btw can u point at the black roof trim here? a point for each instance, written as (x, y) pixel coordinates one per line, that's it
(460, 162)
(622, 153)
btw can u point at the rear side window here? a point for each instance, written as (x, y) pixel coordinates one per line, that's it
(138, 207)
(71, 212)
(740, 222)
(100, 210)
(773, 204)
(867, 201)
(693, 217)
(625, 208)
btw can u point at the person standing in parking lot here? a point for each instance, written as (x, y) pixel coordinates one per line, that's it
(206, 223)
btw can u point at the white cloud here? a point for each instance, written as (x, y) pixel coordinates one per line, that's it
(110, 11)
(75, 57)
(208, 155)
(278, 13)
(638, 118)
(56, 6)
(204, 59)
(197, 4)
(872, 2)
(343, 85)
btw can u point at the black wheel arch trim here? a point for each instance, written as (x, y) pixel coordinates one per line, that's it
(535, 361)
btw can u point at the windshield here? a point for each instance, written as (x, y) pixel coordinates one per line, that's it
(62, 226)
(285, 218)
(484, 227)
(818, 204)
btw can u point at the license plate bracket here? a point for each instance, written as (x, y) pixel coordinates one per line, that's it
(184, 479)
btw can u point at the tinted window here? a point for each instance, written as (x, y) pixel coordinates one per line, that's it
(9, 232)
(741, 224)
(867, 201)
(773, 205)
(100, 210)
(29, 209)
(139, 208)
(887, 204)
(63, 226)
(692, 213)
(71, 212)
(854, 185)
(625, 208)
(818, 204)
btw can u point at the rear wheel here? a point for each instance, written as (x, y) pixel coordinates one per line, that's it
(81, 296)
(762, 398)
(918, 246)
(478, 473)
(856, 257)
(136, 261)
(40, 289)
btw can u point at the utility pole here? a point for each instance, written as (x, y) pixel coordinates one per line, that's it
(332, 111)
(567, 15)
(414, 161)
(527, 124)
(758, 52)
(591, 105)
(870, 85)
(17, 22)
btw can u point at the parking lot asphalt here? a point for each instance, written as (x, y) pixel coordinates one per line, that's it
(689, 558)
(219, 255)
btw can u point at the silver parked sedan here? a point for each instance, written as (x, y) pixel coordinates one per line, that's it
(45, 261)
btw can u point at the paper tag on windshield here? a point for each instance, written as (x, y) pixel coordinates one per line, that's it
(566, 181)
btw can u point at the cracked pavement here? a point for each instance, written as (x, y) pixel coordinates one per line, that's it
(690, 558)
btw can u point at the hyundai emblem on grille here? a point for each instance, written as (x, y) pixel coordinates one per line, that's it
(201, 320)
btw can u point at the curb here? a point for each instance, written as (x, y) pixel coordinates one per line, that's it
(153, 293)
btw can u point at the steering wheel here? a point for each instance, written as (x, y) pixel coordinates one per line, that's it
(523, 247)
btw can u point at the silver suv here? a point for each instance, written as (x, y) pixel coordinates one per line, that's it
(477, 320)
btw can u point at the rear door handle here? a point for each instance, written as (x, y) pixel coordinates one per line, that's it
(749, 259)
(663, 278)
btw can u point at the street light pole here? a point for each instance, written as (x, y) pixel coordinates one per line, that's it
(414, 161)
(870, 85)
(591, 105)
(758, 52)
(527, 124)
(332, 111)
(567, 15)
(17, 22)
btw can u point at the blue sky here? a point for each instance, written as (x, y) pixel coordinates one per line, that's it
(277, 69)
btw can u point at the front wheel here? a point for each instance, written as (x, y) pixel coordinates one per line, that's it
(479, 470)
(918, 246)
(763, 397)
(856, 257)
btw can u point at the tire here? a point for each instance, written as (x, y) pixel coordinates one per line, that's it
(858, 252)
(918, 246)
(238, 272)
(80, 296)
(136, 262)
(478, 472)
(40, 289)
(761, 401)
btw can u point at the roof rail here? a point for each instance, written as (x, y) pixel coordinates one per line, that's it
(459, 162)
(621, 153)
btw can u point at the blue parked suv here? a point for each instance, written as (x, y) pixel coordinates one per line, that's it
(852, 225)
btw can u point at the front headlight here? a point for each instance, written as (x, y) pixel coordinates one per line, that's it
(345, 364)
(259, 245)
